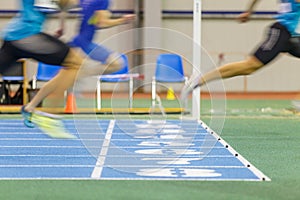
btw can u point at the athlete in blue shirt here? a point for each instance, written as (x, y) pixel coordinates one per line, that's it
(95, 15)
(23, 38)
(282, 37)
(18, 29)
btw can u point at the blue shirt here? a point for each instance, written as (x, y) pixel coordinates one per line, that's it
(27, 23)
(289, 15)
(87, 30)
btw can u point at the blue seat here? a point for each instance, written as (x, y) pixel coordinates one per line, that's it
(169, 69)
(15, 72)
(44, 73)
(116, 77)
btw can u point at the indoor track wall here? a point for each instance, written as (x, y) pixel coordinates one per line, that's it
(222, 37)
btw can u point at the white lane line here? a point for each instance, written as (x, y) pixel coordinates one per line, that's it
(120, 155)
(252, 168)
(95, 147)
(101, 158)
(124, 166)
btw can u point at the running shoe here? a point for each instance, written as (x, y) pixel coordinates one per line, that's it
(27, 116)
(188, 88)
(51, 125)
(296, 105)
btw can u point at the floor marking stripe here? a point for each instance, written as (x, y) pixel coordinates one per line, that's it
(56, 155)
(129, 179)
(121, 140)
(94, 147)
(122, 156)
(48, 166)
(256, 171)
(172, 179)
(123, 166)
(101, 158)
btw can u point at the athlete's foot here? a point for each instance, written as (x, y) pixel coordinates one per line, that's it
(51, 125)
(188, 88)
(27, 117)
(296, 105)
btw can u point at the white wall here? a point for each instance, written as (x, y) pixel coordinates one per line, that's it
(9, 5)
(236, 41)
(217, 5)
(225, 36)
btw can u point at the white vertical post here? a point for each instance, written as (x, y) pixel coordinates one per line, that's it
(151, 36)
(98, 93)
(130, 92)
(196, 56)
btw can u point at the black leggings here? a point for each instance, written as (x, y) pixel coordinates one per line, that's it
(41, 47)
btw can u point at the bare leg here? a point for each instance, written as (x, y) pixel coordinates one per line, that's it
(93, 68)
(245, 67)
(115, 63)
(61, 82)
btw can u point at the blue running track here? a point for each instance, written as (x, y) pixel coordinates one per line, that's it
(122, 150)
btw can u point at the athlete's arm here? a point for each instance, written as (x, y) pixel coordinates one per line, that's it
(60, 31)
(102, 19)
(251, 7)
(244, 17)
(64, 5)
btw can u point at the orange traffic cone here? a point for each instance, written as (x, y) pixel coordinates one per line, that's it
(70, 104)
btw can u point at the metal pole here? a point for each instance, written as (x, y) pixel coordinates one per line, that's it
(196, 56)
(137, 57)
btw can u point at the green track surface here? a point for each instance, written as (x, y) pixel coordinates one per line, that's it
(263, 131)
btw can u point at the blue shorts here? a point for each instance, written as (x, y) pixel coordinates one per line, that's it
(98, 52)
(94, 51)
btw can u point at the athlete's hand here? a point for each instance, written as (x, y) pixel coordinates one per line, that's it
(59, 33)
(128, 18)
(244, 17)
